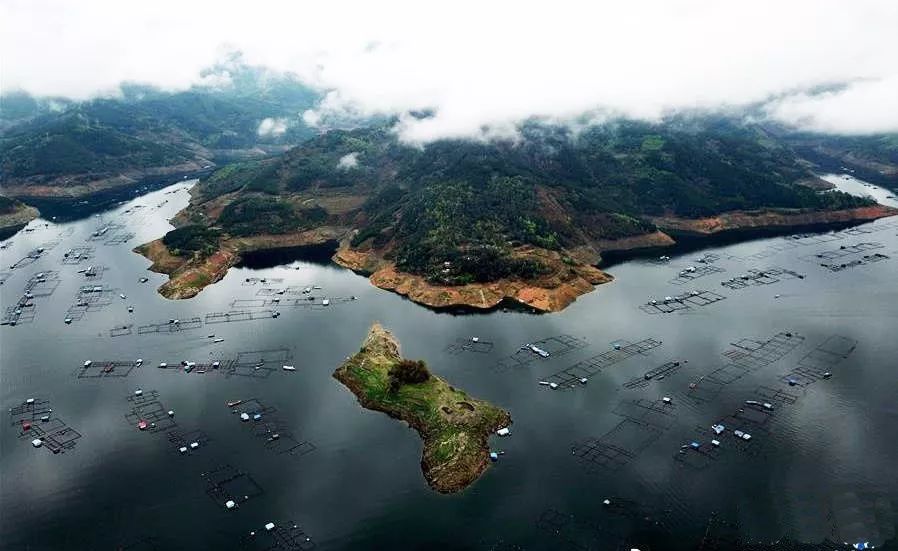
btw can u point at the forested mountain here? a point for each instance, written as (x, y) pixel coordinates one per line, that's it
(55, 142)
(469, 204)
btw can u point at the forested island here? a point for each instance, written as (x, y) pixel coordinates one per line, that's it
(472, 223)
(453, 425)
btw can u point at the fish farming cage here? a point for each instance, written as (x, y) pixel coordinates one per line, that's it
(120, 238)
(227, 483)
(106, 368)
(262, 280)
(654, 413)
(30, 410)
(692, 273)
(746, 356)
(77, 255)
(865, 260)
(698, 458)
(270, 291)
(284, 536)
(667, 369)
(844, 250)
(542, 350)
(681, 302)
(239, 315)
(702, 391)
(259, 363)
(173, 325)
(93, 273)
(758, 277)
(43, 284)
(18, 314)
(269, 428)
(478, 346)
(816, 364)
(278, 438)
(708, 258)
(122, 330)
(621, 350)
(25, 260)
(147, 407)
(617, 447)
(753, 354)
(188, 442)
(776, 396)
(104, 232)
(36, 420)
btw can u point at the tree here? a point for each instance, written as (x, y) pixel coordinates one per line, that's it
(408, 372)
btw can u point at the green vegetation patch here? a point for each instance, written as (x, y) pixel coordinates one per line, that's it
(262, 214)
(192, 239)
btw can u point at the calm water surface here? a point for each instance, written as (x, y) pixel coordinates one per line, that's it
(820, 467)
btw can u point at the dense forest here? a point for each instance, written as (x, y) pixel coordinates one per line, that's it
(457, 210)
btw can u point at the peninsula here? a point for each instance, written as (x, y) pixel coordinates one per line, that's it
(465, 224)
(453, 425)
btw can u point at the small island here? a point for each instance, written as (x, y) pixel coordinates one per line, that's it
(454, 426)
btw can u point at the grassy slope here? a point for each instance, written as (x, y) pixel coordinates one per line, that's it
(454, 426)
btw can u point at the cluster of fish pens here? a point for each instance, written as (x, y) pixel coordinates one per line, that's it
(756, 414)
(36, 420)
(259, 364)
(23, 310)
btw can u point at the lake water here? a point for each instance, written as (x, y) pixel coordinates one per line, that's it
(819, 465)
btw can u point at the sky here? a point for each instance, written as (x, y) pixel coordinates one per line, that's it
(483, 67)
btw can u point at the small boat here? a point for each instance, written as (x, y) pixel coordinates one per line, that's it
(87, 363)
(163, 365)
(827, 375)
(325, 302)
(475, 339)
(37, 442)
(718, 429)
(218, 340)
(68, 320)
(139, 362)
(275, 314)
(130, 309)
(234, 403)
(504, 431)
(216, 364)
(212, 336)
(553, 386)
(289, 368)
(244, 416)
(138, 392)
(142, 425)
(583, 380)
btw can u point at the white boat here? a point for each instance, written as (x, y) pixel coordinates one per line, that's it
(87, 363)
(218, 340)
(325, 302)
(289, 368)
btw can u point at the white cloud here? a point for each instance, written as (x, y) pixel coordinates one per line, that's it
(482, 67)
(845, 111)
(272, 127)
(348, 161)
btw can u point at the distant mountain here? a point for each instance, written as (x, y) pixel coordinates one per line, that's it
(55, 144)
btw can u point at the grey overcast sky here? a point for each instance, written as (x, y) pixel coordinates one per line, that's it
(483, 66)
